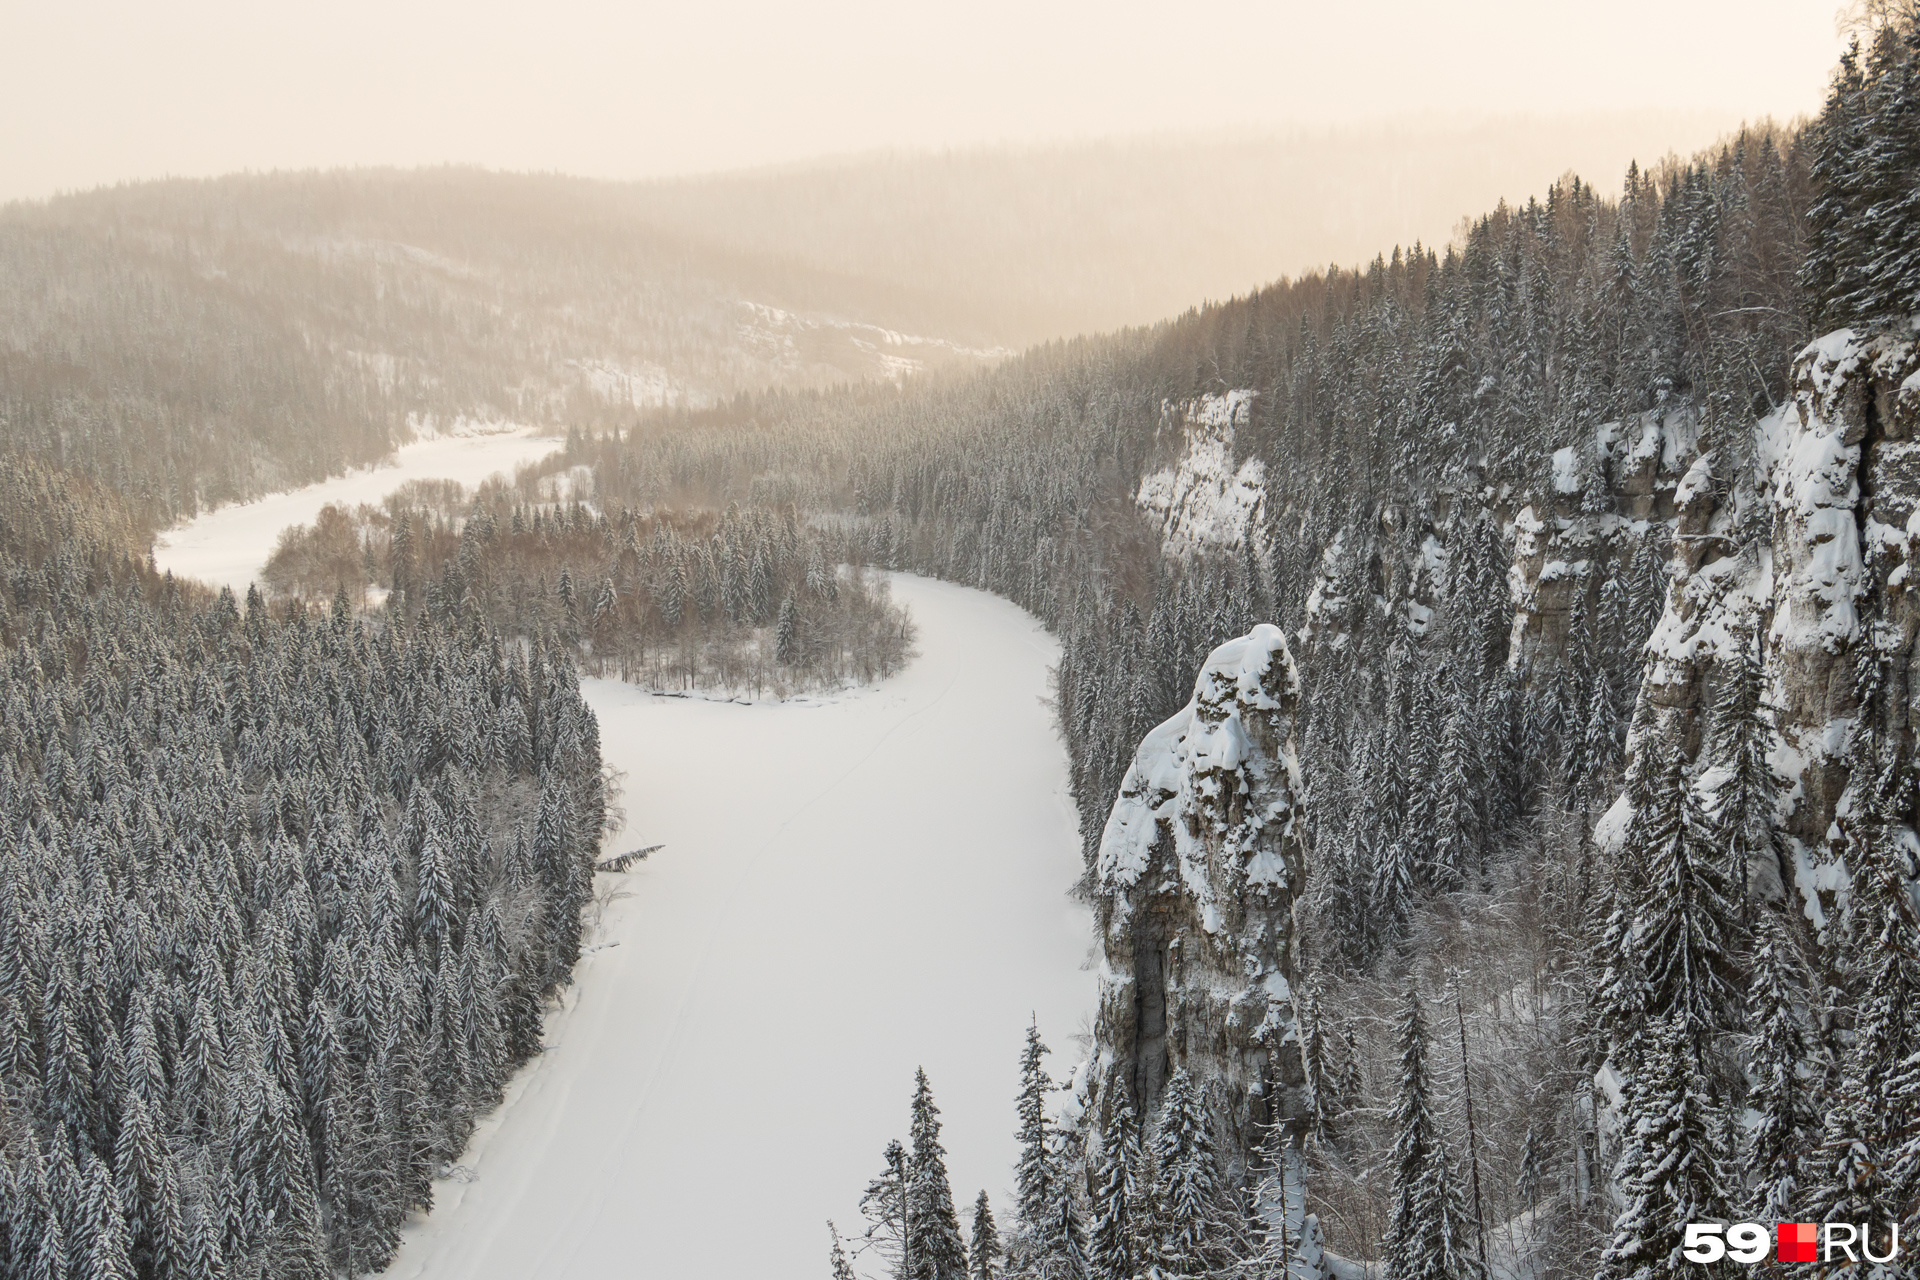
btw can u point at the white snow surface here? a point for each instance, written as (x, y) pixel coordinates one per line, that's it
(229, 546)
(849, 890)
(1566, 470)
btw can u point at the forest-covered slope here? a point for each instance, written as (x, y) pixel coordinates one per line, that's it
(281, 897)
(190, 343)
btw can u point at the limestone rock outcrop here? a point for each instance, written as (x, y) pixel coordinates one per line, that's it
(1810, 549)
(1197, 875)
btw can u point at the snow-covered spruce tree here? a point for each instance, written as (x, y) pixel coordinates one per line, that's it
(1456, 846)
(1395, 889)
(1782, 1067)
(1745, 800)
(1065, 1257)
(1671, 1168)
(1327, 1066)
(983, 1251)
(1197, 1226)
(786, 633)
(1688, 926)
(1037, 1174)
(1860, 1167)
(1117, 1193)
(1531, 1179)
(1427, 1237)
(1621, 997)
(938, 1252)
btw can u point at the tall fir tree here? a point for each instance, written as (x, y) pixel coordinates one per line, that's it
(1782, 1067)
(1688, 925)
(1745, 799)
(939, 1252)
(983, 1251)
(1427, 1234)
(1196, 1225)
(1117, 1193)
(1671, 1168)
(1037, 1173)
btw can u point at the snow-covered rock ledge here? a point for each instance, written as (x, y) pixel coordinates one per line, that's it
(1202, 502)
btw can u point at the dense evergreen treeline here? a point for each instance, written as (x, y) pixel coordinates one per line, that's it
(1152, 1200)
(750, 601)
(281, 896)
(1156, 1201)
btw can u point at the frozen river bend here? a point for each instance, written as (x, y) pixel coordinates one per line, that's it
(848, 891)
(850, 888)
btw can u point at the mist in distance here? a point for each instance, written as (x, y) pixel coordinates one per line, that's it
(104, 91)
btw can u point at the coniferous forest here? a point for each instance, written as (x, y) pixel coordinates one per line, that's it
(1485, 679)
(284, 894)
(748, 601)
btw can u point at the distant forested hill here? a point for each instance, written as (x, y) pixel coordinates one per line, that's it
(193, 342)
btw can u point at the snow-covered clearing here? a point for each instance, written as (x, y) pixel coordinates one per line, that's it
(849, 890)
(228, 546)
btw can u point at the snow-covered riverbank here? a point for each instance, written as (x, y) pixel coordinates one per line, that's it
(851, 888)
(229, 545)
(848, 891)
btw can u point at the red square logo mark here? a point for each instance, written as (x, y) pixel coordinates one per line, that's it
(1797, 1241)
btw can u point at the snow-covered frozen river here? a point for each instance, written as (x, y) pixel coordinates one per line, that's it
(229, 546)
(849, 889)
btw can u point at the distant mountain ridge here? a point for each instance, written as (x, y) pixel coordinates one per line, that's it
(193, 342)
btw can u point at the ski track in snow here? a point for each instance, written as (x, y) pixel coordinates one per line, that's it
(850, 888)
(229, 545)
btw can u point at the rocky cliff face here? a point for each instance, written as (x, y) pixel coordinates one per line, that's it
(1604, 497)
(1799, 543)
(1810, 549)
(1202, 500)
(1197, 875)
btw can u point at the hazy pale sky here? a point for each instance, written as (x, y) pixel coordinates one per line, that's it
(96, 91)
